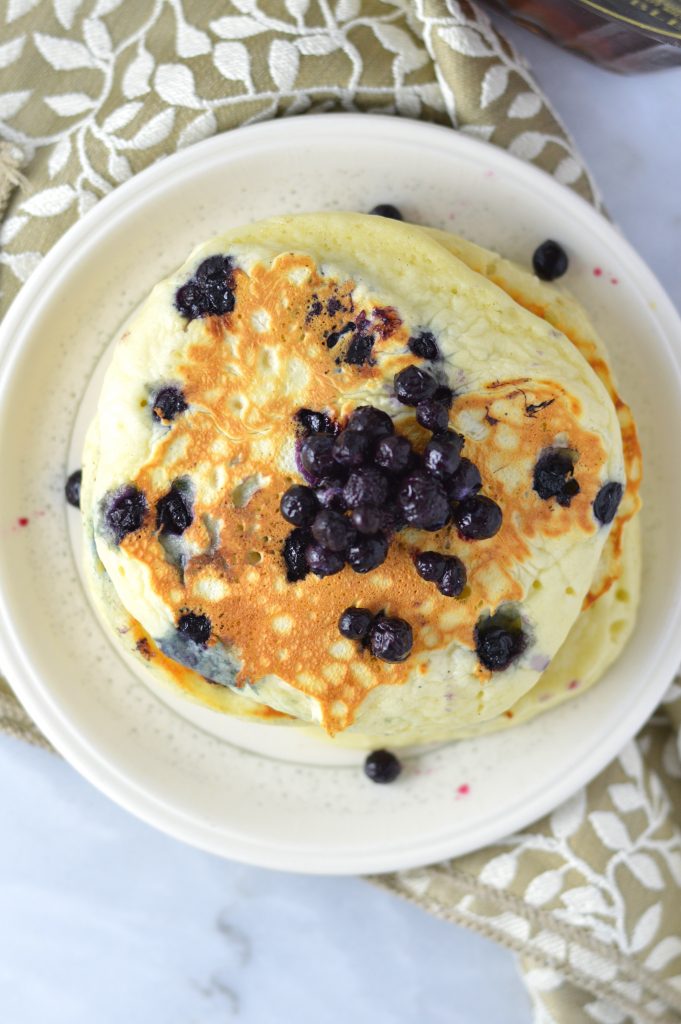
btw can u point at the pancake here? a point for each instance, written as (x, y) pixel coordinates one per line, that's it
(521, 387)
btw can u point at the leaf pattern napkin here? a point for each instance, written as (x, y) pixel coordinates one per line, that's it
(91, 93)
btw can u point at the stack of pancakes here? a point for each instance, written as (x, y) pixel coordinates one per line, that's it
(529, 376)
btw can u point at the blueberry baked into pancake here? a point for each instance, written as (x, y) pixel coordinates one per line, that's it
(363, 479)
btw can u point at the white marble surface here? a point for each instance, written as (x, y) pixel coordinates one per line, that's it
(102, 919)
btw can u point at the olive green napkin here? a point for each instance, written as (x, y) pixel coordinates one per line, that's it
(91, 93)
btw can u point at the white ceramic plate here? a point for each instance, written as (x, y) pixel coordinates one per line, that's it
(302, 810)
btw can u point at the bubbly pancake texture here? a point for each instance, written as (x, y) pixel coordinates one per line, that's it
(520, 387)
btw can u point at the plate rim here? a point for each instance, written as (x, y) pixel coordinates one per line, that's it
(35, 695)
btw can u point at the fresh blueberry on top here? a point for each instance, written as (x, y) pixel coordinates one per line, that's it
(294, 555)
(125, 512)
(174, 512)
(549, 260)
(168, 403)
(72, 488)
(367, 519)
(477, 518)
(316, 456)
(393, 519)
(332, 530)
(390, 639)
(424, 346)
(432, 415)
(607, 502)
(316, 422)
(194, 627)
(329, 493)
(351, 447)
(414, 385)
(365, 486)
(210, 292)
(442, 454)
(499, 640)
(393, 454)
(387, 210)
(465, 480)
(367, 553)
(370, 420)
(430, 565)
(453, 578)
(323, 562)
(381, 766)
(299, 505)
(354, 623)
(552, 476)
(423, 501)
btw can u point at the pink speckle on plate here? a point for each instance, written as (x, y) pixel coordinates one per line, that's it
(597, 271)
(22, 521)
(573, 684)
(614, 280)
(463, 790)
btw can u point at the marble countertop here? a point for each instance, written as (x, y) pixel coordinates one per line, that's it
(103, 919)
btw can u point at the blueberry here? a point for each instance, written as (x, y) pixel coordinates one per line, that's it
(367, 553)
(210, 292)
(316, 422)
(432, 415)
(390, 639)
(552, 473)
(72, 488)
(430, 565)
(365, 486)
(477, 518)
(323, 562)
(393, 454)
(372, 421)
(424, 346)
(423, 501)
(393, 519)
(330, 494)
(464, 482)
(174, 512)
(414, 385)
(387, 210)
(194, 627)
(454, 578)
(316, 456)
(499, 640)
(354, 623)
(351, 448)
(332, 530)
(168, 403)
(367, 519)
(358, 352)
(298, 505)
(125, 512)
(382, 766)
(442, 454)
(549, 260)
(294, 555)
(607, 502)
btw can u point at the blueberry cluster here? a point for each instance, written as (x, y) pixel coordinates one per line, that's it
(210, 292)
(389, 639)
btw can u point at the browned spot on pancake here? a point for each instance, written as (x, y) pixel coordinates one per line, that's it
(633, 461)
(245, 376)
